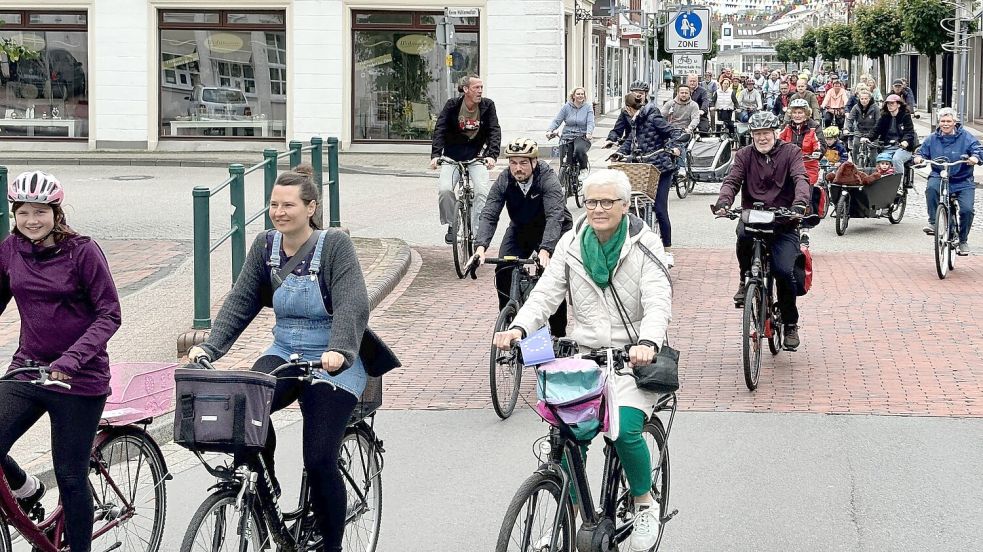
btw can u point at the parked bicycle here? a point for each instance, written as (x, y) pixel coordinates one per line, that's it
(127, 476)
(947, 223)
(461, 227)
(541, 516)
(243, 513)
(762, 318)
(505, 368)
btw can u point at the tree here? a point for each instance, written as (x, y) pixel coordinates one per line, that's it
(920, 27)
(799, 52)
(784, 50)
(839, 44)
(876, 32)
(809, 43)
(714, 37)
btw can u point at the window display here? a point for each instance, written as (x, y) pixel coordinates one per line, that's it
(402, 75)
(223, 74)
(43, 91)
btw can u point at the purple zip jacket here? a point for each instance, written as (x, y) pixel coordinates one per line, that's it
(69, 308)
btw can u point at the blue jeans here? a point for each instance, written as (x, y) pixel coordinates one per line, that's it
(965, 198)
(899, 158)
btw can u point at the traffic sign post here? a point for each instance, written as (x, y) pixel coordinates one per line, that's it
(689, 32)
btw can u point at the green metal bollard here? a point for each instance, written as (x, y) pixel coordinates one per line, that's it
(269, 178)
(237, 193)
(335, 202)
(202, 259)
(317, 163)
(5, 208)
(295, 153)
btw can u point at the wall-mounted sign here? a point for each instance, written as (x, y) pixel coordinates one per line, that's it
(415, 44)
(224, 43)
(461, 12)
(379, 60)
(629, 31)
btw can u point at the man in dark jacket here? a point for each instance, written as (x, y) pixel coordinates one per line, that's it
(780, 105)
(702, 98)
(532, 193)
(770, 172)
(900, 87)
(466, 129)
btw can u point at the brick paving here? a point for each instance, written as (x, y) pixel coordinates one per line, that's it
(881, 335)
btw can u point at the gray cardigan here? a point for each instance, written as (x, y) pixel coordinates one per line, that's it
(342, 285)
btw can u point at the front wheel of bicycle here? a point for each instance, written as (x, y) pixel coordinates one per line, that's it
(896, 212)
(842, 213)
(942, 237)
(361, 467)
(578, 187)
(753, 334)
(220, 525)
(682, 185)
(504, 369)
(127, 482)
(530, 520)
(463, 247)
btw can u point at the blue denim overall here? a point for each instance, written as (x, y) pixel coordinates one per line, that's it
(303, 325)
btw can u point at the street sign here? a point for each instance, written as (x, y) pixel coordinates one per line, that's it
(689, 32)
(461, 12)
(629, 31)
(684, 64)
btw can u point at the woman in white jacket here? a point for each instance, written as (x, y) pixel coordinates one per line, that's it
(610, 257)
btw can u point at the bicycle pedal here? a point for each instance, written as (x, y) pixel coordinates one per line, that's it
(738, 304)
(670, 515)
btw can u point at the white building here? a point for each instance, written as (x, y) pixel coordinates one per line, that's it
(210, 74)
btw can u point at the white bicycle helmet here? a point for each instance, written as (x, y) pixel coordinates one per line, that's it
(36, 187)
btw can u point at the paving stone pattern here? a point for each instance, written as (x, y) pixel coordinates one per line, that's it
(881, 335)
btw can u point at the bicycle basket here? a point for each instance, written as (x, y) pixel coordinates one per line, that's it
(222, 411)
(370, 401)
(644, 177)
(571, 396)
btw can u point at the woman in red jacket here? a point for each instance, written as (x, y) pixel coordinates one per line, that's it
(801, 131)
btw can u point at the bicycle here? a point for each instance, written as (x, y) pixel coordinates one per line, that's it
(242, 514)
(570, 171)
(686, 182)
(761, 318)
(946, 218)
(461, 227)
(127, 475)
(505, 368)
(540, 516)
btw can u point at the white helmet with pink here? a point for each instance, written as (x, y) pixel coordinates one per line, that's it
(36, 187)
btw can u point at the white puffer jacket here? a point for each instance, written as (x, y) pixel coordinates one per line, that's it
(640, 283)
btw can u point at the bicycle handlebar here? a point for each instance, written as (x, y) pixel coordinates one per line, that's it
(963, 161)
(44, 377)
(444, 160)
(472, 267)
(780, 212)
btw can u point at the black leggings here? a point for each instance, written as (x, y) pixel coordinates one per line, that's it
(576, 150)
(326, 413)
(74, 421)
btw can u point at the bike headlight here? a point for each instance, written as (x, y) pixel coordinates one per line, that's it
(755, 271)
(545, 448)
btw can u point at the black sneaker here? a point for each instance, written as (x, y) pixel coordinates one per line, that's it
(804, 239)
(449, 236)
(791, 337)
(28, 503)
(739, 296)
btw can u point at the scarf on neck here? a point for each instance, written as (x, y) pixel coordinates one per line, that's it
(600, 259)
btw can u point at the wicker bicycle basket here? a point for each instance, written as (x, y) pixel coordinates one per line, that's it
(644, 177)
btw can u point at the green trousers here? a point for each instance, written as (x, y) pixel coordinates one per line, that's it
(632, 450)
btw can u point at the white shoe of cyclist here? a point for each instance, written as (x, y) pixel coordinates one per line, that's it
(645, 530)
(670, 260)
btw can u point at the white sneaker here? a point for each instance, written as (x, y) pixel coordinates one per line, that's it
(645, 530)
(670, 260)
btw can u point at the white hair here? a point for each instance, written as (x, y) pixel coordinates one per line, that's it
(949, 112)
(610, 177)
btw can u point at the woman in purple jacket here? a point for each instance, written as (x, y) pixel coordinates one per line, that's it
(69, 309)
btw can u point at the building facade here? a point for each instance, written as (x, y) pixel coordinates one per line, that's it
(217, 75)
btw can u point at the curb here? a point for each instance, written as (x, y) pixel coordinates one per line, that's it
(162, 427)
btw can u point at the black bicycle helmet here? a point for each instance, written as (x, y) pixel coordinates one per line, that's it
(762, 120)
(639, 85)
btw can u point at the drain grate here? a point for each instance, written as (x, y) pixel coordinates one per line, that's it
(129, 177)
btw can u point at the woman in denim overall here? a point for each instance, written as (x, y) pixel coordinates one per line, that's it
(321, 310)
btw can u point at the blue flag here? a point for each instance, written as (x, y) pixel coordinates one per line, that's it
(537, 348)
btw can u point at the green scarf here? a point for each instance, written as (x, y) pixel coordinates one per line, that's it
(601, 258)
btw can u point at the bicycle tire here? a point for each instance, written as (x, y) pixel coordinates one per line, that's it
(753, 328)
(137, 472)
(218, 505)
(362, 470)
(462, 248)
(953, 234)
(529, 491)
(504, 380)
(5, 544)
(842, 214)
(942, 251)
(682, 188)
(777, 337)
(896, 212)
(620, 503)
(578, 194)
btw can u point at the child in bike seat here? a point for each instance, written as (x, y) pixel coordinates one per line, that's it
(836, 152)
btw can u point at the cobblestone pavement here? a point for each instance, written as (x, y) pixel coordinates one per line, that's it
(884, 345)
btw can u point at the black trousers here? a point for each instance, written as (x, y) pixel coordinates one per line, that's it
(326, 413)
(726, 116)
(576, 150)
(74, 421)
(523, 242)
(784, 249)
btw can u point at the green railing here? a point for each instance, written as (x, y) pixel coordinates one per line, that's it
(5, 209)
(204, 246)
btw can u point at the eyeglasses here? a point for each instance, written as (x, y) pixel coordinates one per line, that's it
(605, 204)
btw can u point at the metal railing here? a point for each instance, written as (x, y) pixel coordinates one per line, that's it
(204, 246)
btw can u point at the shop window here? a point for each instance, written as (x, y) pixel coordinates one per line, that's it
(223, 75)
(44, 94)
(401, 75)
